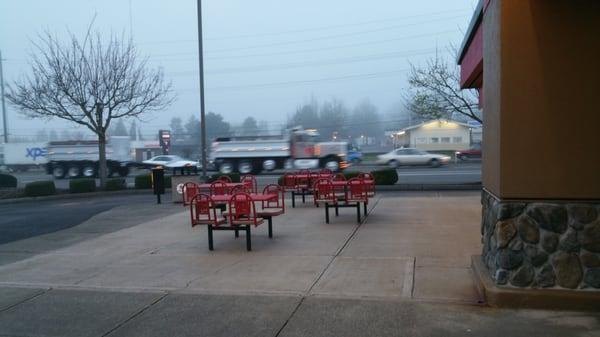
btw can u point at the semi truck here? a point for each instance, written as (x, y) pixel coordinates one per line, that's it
(22, 156)
(80, 158)
(296, 148)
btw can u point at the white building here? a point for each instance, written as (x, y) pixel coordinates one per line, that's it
(435, 135)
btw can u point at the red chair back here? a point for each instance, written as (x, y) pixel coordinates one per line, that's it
(250, 182)
(190, 190)
(357, 190)
(218, 187)
(274, 203)
(225, 179)
(202, 210)
(240, 189)
(242, 209)
(370, 182)
(324, 191)
(339, 177)
(303, 179)
(289, 181)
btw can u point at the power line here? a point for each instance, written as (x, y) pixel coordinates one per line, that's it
(353, 59)
(333, 26)
(328, 37)
(302, 51)
(302, 82)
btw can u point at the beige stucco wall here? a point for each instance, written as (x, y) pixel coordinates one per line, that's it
(542, 120)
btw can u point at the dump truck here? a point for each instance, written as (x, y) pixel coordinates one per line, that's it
(80, 158)
(296, 148)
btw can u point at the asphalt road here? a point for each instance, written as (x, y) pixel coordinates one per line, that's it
(454, 173)
(27, 219)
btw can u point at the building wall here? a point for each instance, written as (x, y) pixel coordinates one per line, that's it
(541, 102)
(422, 137)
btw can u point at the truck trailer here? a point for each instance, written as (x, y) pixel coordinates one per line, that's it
(297, 148)
(80, 158)
(22, 156)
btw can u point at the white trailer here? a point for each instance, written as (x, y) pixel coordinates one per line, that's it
(22, 156)
(76, 158)
(297, 149)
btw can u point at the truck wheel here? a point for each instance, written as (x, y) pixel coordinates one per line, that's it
(74, 171)
(226, 167)
(245, 167)
(88, 171)
(269, 165)
(332, 163)
(58, 172)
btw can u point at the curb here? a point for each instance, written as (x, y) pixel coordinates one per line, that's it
(76, 196)
(430, 187)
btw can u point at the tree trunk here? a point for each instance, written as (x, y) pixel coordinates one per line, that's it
(102, 170)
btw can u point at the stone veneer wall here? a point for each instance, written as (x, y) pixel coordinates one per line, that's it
(541, 244)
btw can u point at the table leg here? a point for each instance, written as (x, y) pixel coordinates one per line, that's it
(358, 212)
(210, 238)
(248, 241)
(326, 213)
(270, 227)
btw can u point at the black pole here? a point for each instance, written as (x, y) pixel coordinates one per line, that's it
(202, 118)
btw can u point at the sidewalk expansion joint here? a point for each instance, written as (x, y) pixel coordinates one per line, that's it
(337, 253)
(138, 313)
(42, 292)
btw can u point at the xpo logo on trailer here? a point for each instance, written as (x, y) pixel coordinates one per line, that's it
(164, 138)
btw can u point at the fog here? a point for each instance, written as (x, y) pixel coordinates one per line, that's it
(262, 58)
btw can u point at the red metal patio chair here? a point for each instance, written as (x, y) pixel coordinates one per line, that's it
(240, 189)
(218, 187)
(370, 183)
(250, 182)
(242, 215)
(190, 190)
(340, 191)
(356, 192)
(203, 211)
(325, 193)
(274, 207)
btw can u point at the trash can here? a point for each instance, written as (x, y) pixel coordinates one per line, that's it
(158, 182)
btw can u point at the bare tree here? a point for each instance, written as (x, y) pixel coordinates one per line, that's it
(435, 92)
(89, 82)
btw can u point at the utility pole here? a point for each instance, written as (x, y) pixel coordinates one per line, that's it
(202, 117)
(4, 123)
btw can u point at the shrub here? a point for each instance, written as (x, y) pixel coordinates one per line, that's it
(385, 177)
(143, 181)
(280, 181)
(40, 188)
(7, 180)
(115, 184)
(235, 177)
(351, 174)
(82, 185)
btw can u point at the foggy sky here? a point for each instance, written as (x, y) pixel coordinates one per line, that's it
(262, 57)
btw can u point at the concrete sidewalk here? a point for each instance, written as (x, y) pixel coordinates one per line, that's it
(403, 271)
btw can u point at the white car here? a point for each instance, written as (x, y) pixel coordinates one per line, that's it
(410, 156)
(169, 161)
